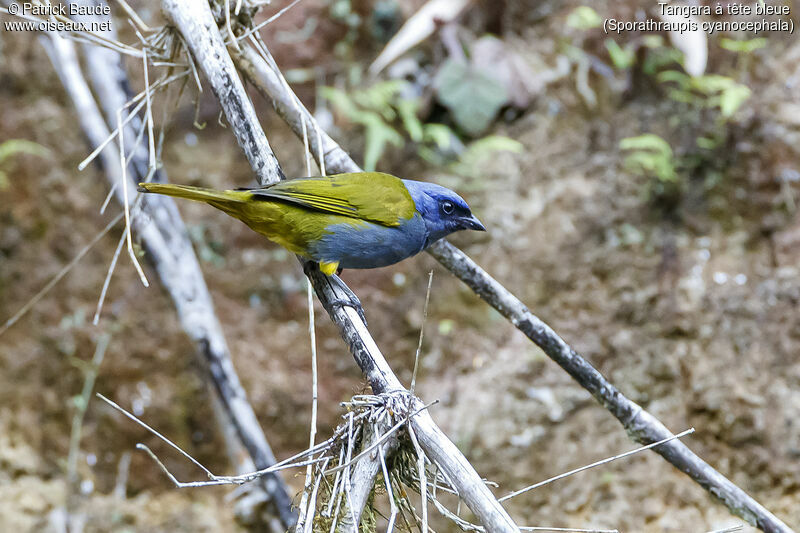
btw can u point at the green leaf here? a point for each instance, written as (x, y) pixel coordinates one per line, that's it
(743, 47)
(340, 100)
(732, 99)
(683, 80)
(622, 58)
(722, 92)
(380, 97)
(584, 18)
(376, 136)
(438, 134)
(650, 155)
(472, 97)
(407, 109)
(21, 146)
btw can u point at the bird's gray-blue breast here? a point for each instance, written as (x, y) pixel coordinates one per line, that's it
(368, 245)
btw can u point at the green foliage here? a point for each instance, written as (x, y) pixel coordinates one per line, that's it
(711, 91)
(375, 108)
(388, 117)
(658, 55)
(12, 147)
(651, 156)
(743, 47)
(623, 58)
(472, 97)
(584, 18)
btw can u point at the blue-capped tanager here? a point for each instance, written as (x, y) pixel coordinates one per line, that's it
(357, 220)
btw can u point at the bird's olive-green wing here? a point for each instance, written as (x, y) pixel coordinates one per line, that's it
(372, 196)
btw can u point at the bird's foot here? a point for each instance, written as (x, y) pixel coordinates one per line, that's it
(348, 300)
(351, 300)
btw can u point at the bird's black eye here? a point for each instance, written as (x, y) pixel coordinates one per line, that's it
(448, 207)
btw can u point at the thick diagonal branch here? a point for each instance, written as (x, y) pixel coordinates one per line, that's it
(641, 425)
(195, 22)
(170, 251)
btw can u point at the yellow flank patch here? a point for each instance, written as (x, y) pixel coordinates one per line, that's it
(329, 269)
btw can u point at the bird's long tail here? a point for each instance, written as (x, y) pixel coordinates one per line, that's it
(199, 194)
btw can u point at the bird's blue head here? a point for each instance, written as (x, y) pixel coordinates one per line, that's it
(442, 210)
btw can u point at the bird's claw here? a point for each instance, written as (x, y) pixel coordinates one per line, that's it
(350, 301)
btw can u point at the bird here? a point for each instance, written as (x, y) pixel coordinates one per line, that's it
(354, 220)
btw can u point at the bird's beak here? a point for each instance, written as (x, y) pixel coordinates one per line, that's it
(471, 222)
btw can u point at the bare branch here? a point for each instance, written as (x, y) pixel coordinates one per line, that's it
(199, 30)
(640, 424)
(168, 248)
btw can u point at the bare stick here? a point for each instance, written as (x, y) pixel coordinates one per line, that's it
(388, 483)
(421, 332)
(640, 424)
(567, 529)
(107, 281)
(598, 463)
(213, 479)
(199, 31)
(300, 527)
(728, 529)
(423, 483)
(169, 249)
(125, 205)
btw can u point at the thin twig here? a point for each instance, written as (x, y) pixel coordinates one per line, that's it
(304, 502)
(125, 204)
(149, 115)
(157, 434)
(641, 425)
(423, 485)
(421, 332)
(598, 463)
(567, 529)
(107, 281)
(133, 16)
(728, 529)
(260, 25)
(213, 478)
(389, 492)
(381, 439)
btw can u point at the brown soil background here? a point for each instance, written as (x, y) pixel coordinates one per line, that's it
(632, 289)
